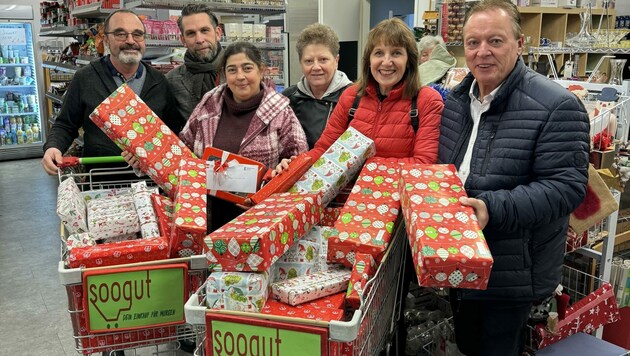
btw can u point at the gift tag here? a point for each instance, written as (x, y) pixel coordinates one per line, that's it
(236, 177)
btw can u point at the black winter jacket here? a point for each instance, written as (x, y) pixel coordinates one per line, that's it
(88, 88)
(529, 165)
(312, 113)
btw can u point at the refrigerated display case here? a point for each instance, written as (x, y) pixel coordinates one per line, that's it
(21, 129)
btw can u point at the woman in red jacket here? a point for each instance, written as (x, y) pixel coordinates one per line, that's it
(388, 82)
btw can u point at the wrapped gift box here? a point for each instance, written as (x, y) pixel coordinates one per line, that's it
(319, 235)
(80, 240)
(112, 216)
(117, 253)
(71, 207)
(144, 208)
(335, 301)
(447, 244)
(303, 311)
(363, 269)
(258, 237)
(587, 315)
(134, 127)
(189, 212)
(331, 214)
(282, 271)
(337, 166)
(281, 183)
(219, 161)
(303, 251)
(312, 286)
(367, 219)
(238, 291)
(163, 207)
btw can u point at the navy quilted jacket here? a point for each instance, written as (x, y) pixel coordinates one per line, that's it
(529, 166)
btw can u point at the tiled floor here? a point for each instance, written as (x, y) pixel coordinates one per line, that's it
(33, 304)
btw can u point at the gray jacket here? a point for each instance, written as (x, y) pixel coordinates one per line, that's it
(529, 166)
(181, 83)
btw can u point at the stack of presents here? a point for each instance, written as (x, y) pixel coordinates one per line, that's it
(292, 253)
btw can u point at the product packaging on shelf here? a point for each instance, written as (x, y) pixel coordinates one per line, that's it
(240, 291)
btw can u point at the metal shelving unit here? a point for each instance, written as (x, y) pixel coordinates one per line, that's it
(233, 8)
(94, 10)
(61, 31)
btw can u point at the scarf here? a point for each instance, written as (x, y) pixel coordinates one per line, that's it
(204, 72)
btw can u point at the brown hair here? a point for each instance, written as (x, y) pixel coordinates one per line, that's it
(392, 32)
(197, 8)
(317, 34)
(510, 9)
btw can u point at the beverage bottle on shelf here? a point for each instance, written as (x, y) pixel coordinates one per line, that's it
(19, 122)
(7, 124)
(3, 137)
(28, 132)
(13, 123)
(20, 136)
(10, 140)
(36, 133)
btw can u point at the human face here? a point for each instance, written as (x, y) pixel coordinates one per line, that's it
(388, 65)
(491, 48)
(200, 37)
(425, 54)
(319, 67)
(127, 51)
(243, 77)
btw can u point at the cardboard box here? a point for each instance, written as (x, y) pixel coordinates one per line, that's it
(602, 159)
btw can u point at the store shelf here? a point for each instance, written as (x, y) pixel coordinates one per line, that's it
(19, 113)
(163, 43)
(93, 10)
(15, 64)
(266, 45)
(215, 6)
(16, 86)
(61, 31)
(54, 97)
(84, 60)
(61, 67)
(571, 50)
(560, 10)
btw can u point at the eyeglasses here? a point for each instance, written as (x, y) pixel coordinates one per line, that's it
(137, 36)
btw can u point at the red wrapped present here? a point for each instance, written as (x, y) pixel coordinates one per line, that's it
(281, 183)
(363, 269)
(273, 307)
(189, 211)
(587, 315)
(447, 244)
(120, 252)
(367, 219)
(164, 212)
(259, 236)
(134, 127)
(223, 166)
(335, 301)
(331, 214)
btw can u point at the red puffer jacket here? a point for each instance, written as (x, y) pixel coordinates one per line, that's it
(388, 123)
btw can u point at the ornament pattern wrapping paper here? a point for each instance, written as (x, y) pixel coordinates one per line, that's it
(281, 183)
(120, 252)
(367, 219)
(163, 207)
(363, 269)
(240, 291)
(312, 286)
(71, 207)
(189, 211)
(134, 127)
(587, 315)
(331, 214)
(447, 244)
(337, 166)
(257, 238)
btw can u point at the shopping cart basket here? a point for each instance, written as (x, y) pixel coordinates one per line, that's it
(104, 315)
(368, 332)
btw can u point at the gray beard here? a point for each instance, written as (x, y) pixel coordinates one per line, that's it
(207, 57)
(129, 58)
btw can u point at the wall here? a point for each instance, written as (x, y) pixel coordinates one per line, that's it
(379, 9)
(622, 7)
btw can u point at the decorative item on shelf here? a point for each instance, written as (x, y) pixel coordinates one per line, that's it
(616, 71)
(584, 37)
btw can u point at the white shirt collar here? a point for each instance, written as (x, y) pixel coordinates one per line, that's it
(488, 98)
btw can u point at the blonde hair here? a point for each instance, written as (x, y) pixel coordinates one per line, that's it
(392, 32)
(317, 34)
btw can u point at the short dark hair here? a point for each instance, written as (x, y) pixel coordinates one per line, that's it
(506, 5)
(247, 48)
(108, 18)
(197, 8)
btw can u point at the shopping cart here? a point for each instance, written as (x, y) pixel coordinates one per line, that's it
(368, 332)
(113, 337)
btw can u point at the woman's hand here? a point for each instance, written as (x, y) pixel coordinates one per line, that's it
(480, 210)
(131, 159)
(282, 166)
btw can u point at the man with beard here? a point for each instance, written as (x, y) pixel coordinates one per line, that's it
(200, 33)
(124, 39)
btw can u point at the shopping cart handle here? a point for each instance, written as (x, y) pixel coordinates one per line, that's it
(73, 161)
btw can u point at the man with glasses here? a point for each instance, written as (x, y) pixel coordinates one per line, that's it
(200, 33)
(124, 41)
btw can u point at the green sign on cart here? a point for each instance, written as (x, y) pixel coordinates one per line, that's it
(134, 298)
(230, 335)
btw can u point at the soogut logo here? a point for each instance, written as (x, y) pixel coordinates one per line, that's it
(111, 299)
